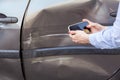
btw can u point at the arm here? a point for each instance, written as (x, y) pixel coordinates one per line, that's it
(82, 37)
(108, 38)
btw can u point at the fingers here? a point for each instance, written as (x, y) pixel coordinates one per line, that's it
(91, 24)
(72, 32)
(79, 37)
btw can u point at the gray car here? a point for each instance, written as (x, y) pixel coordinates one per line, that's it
(34, 41)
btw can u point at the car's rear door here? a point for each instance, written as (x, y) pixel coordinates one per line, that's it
(49, 53)
(11, 16)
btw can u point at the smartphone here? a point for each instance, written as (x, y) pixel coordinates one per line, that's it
(78, 26)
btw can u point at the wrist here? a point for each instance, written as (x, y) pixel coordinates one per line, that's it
(87, 40)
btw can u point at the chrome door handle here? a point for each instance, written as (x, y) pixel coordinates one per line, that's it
(5, 19)
(9, 20)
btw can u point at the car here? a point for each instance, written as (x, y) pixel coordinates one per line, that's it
(34, 41)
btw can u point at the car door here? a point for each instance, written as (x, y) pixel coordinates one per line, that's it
(11, 16)
(49, 53)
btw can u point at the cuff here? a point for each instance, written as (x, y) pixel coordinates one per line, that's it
(93, 40)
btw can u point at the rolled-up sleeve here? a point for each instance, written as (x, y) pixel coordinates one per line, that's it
(108, 38)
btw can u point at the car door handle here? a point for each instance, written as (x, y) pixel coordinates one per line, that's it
(113, 14)
(9, 20)
(6, 19)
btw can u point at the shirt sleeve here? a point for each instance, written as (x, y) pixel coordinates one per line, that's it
(108, 38)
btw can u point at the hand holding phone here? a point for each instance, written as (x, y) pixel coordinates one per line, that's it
(79, 26)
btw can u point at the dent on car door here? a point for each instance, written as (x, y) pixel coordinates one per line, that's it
(11, 15)
(48, 51)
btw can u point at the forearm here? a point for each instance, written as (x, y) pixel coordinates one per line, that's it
(108, 38)
(103, 39)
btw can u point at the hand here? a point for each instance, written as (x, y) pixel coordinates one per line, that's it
(79, 37)
(94, 27)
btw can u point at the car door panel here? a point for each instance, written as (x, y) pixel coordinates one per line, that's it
(49, 53)
(10, 64)
(72, 64)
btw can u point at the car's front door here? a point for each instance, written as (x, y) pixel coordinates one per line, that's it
(11, 16)
(49, 53)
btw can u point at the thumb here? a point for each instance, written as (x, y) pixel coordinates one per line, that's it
(89, 23)
(72, 32)
(86, 20)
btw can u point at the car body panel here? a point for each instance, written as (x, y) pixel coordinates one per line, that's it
(10, 63)
(48, 51)
(51, 21)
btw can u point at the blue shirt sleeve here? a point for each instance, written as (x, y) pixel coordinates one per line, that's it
(108, 38)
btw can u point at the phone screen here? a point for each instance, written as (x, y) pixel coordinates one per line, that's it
(78, 26)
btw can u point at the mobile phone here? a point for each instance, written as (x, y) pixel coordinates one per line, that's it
(78, 26)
